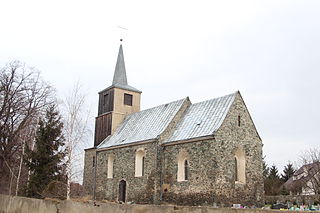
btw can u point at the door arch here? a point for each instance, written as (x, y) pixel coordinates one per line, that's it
(122, 191)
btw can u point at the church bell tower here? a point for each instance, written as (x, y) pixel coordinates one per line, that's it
(115, 102)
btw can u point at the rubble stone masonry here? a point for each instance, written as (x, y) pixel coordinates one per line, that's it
(211, 171)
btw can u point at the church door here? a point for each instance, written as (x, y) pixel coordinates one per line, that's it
(122, 191)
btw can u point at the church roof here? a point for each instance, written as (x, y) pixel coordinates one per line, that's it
(144, 125)
(199, 119)
(202, 119)
(120, 75)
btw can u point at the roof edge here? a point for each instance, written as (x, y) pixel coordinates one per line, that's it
(135, 143)
(234, 95)
(168, 131)
(87, 149)
(132, 89)
(254, 125)
(196, 139)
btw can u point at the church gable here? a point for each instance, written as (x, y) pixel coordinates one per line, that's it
(239, 122)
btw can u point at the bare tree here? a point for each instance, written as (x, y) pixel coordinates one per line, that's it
(23, 96)
(310, 171)
(76, 134)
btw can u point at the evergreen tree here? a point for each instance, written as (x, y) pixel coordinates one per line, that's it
(273, 174)
(265, 168)
(273, 182)
(45, 162)
(287, 172)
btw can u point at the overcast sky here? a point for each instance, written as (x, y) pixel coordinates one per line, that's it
(269, 50)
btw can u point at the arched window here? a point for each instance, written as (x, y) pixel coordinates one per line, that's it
(183, 166)
(185, 169)
(142, 166)
(236, 169)
(240, 166)
(139, 164)
(110, 166)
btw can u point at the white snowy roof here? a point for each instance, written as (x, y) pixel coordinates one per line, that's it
(202, 119)
(144, 125)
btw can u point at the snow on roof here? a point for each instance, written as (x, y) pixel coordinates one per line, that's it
(202, 119)
(144, 125)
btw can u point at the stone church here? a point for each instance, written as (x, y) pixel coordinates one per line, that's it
(180, 152)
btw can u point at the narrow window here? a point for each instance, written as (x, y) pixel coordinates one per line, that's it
(236, 169)
(105, 99)
(93, 161)
(183, 166)
(127, 99)
(110, 167)
(139, 164)
(240, 166)
(185, 170)
(142, 166)
(105, 103)
(239, 120)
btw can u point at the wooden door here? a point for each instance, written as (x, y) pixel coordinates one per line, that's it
(122, 191)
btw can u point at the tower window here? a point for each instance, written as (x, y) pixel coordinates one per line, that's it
(127, 99)
(93, 161)
(105, 99)
(239, 120)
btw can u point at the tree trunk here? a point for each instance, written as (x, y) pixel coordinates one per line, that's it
(20, 168)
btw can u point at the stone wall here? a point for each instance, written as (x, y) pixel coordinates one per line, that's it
(211, 167)
(88, 173)
(143, 189)
(13, 204)
(203, 174)
(138, 189)
(9, 204)
(230, 137)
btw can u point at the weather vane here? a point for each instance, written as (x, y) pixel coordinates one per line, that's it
(122, 30)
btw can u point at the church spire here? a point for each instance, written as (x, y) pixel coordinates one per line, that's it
(120, 76)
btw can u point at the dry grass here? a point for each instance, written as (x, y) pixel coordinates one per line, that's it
(108, 201)
(84, 199)
(52, 199)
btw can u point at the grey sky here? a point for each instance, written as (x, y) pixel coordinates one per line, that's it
(269, 50)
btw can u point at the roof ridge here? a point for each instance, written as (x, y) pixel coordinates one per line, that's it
(144, 125)
(202, 118)
(182, 99)
(215, 98)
